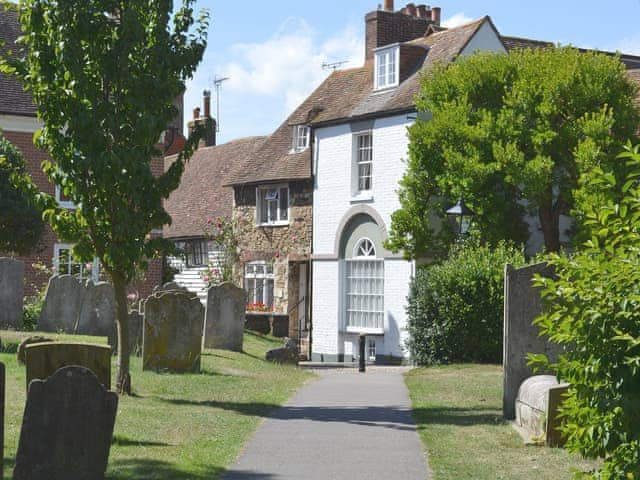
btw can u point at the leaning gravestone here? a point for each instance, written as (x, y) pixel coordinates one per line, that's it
(11, 292)
(62, 304)
(98, 311)
(522, 304)
(43, 359)
(224, 318)
(172, 337)
(67, 428)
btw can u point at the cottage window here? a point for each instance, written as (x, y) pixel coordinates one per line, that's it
(258, 282)
(273, 205)
(66, 264)
(62, 199)
(364, 161)
(364, 289)
(301, 137)
(387, 67)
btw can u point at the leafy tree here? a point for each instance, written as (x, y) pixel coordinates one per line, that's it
(593, 309)
(510, 133)
(21, 224)
(103, 74)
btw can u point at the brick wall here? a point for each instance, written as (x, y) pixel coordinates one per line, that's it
(44, 253)
(384, 28)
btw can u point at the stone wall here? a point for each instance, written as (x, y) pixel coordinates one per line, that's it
(281, 245)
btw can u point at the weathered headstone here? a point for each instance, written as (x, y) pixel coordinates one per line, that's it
(43, 359)
(172, 338)
(67, 428)
(136, 321)
(288, 354)
(169, 287)
(3, 385)
(224, 324)
(62, 304)
(11, 292)
(522, 304)
(20, 354)
(98, 311)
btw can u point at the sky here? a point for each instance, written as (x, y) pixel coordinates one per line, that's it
(272, 51)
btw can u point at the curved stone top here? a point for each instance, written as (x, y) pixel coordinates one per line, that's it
(534, 391)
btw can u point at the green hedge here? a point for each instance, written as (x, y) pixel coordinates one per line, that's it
(455, 307)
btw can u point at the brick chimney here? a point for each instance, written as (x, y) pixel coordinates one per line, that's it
(386, 26)
(209, 134)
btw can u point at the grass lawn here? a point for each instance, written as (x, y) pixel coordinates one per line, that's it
(179, 427)
(458, 410)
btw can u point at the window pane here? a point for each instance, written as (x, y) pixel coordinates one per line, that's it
(264, 209)
(272, 208)
(268, 293)
(365, 293)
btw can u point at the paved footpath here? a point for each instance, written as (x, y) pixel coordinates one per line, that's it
(345, 425)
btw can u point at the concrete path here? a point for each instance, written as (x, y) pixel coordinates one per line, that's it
(345, 425)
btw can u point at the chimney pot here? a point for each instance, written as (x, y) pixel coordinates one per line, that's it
(421, 11)
(196, 113)
(435, 15)
(206, 100)
(388, 5)
(411, 9)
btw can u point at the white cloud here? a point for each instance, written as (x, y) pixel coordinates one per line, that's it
(289, 64)
(456, 20)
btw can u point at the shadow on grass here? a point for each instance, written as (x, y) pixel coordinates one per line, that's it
(122, 441)
(146, 469)
(460, 416)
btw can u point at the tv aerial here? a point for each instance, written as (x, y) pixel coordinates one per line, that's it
(217, 83)
(333, 66)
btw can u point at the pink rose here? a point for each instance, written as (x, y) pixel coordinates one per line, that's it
(276, 255)
(205, 278)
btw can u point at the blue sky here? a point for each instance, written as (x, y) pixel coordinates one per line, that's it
(272, 51)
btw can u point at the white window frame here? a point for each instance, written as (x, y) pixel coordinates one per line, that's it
(361, 159)
(95, 268)
(266, 277)
(387, 67)
(301, 138)
(279, 211)
(63, 203)
(358, 317)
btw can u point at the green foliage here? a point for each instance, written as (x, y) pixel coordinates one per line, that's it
(33, 304)
(507, 128)
(21, 224)
(455, 307)
(593, 308)
(104, 75)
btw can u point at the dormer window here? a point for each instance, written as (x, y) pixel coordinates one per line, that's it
(301, 134)
(387, 67)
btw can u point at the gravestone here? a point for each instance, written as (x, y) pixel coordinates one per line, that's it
(67, 428)
(288, 354)
(522, 304)
(62, 304)
(98, 310)
(3, 385)
(224, 323)
(20, 354)
(11, 292)
(172, 336)
(135, 334)
(43, 359)
(169, 287)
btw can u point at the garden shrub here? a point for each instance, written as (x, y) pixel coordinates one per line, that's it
(455, 307)
(593, 308)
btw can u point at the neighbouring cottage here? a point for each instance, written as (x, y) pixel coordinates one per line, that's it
(18, 123)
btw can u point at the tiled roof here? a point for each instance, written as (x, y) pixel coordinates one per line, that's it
(13, 99)
(202, 193)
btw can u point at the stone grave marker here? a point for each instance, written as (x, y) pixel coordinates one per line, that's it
(67, 428)
(11, 292)
(62, 304)
(20, 354)
(169, 287)
(224, 318)
(3, 385)
(97, 314)
(522, 304)
(172, 336)
(43, 359)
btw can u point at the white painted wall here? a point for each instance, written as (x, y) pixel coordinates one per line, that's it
(19, 123)
(332, 200)
(484, 39)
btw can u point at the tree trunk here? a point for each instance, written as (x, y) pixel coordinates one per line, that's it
(550, 223)
(123, 378)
